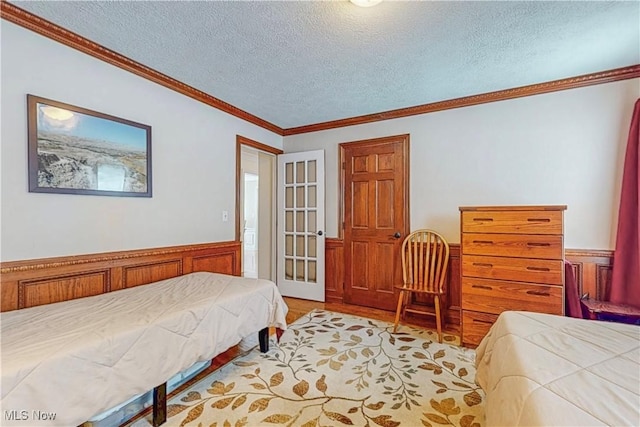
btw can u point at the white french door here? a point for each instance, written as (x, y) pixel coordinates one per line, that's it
(301, 234)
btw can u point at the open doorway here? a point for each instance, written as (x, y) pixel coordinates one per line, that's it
(251, 215)
(255, 207)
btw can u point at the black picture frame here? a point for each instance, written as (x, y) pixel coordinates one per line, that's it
(74, 150)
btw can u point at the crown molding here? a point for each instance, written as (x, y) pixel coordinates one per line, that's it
(608, 76)
(50, 30)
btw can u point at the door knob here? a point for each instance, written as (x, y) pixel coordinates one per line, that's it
(397, 235)
(320, 233)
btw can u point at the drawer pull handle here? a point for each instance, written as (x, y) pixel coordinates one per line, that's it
(539, 293)
(483, 219)
(539, 219)
(484, 242)
(538, 269)
(482, 264)
(486, 322)
(489, 288)
(538, 244)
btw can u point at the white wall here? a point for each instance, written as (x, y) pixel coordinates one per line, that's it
(559, 148)
(193, 149)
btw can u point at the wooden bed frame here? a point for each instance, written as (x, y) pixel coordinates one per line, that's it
(29, 283)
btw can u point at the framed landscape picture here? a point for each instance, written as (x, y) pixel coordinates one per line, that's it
(73, 150)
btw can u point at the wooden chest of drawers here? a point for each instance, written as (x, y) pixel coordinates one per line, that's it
(512, 259)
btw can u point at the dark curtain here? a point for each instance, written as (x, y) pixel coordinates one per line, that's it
(625, 283)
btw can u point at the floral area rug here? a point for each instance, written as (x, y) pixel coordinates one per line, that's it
(333, 369)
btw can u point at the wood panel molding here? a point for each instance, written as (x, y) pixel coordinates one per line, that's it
(241, 140)
(142, 274)
(602, 77)
(592, 270)
(50, 30)
(61, 288)
(334, 269)
(29, 283)
(56, 262)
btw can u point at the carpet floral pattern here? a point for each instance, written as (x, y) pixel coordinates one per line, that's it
(333, 369)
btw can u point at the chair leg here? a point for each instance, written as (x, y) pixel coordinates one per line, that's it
(405, 302)
(398, 310)
(438, 318)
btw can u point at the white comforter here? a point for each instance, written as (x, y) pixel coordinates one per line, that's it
(546, 370)
(78, 358)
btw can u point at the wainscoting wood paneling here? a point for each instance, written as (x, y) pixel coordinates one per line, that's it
(56, 289)
(334, 270)
(592, 270)
(142, 274)
(36, 282)
(222, 261)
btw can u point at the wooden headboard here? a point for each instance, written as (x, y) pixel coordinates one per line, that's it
(30, 283)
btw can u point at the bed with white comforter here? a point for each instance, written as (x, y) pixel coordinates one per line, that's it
(78, 358)
(546, 370)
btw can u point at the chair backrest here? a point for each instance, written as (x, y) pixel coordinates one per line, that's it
(425, 257)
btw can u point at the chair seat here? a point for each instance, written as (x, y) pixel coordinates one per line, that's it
(418, 290)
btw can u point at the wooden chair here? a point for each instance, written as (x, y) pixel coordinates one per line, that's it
(425, 256)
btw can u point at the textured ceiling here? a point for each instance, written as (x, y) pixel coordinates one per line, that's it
(300, 63)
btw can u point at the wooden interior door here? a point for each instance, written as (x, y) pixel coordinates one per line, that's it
(376, 218)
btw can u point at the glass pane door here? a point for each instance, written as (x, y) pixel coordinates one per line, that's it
(301, 234)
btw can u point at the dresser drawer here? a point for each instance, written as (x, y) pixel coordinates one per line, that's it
(475, 326)
(517, 269)
(496, 296)
(513, 245)
(512, 222)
